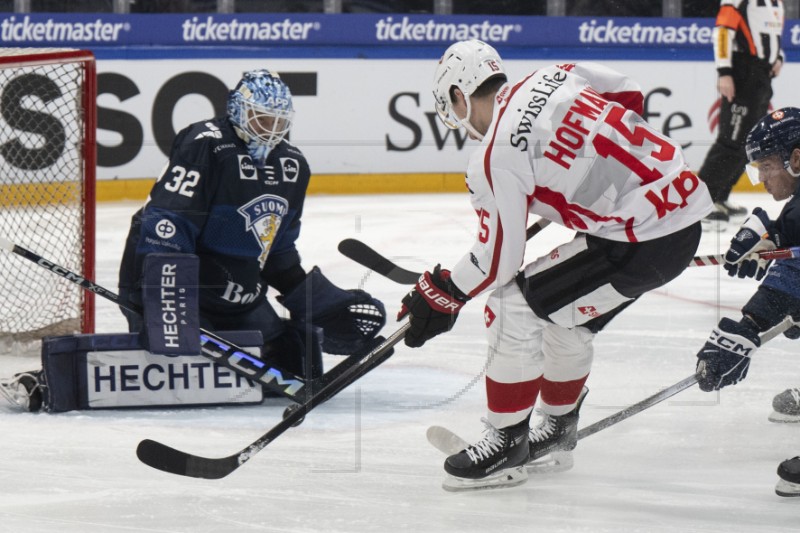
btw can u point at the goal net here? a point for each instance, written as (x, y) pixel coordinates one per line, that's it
(47, 197)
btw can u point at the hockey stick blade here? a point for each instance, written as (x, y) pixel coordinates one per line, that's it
(368, 257)
(168, 459)
(444, 440)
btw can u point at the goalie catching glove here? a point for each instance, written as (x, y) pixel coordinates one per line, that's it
(350, 319)
(725, 357)
(432, 307)
(742, 258)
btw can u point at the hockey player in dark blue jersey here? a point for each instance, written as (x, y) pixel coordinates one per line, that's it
(232, 193)
(773, 153)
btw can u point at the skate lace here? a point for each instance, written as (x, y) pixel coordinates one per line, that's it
(492, 442)
(544, 429)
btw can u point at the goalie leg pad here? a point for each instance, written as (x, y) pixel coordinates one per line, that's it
(113, 371)
(170, 297)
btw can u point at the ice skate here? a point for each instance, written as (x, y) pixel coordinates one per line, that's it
(789, 482)
(717, 220)
(551, 442)
(497, 460)
(23, 391)
(786, 406)
(731, 209)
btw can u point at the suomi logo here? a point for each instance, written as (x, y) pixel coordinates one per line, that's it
(263, 217)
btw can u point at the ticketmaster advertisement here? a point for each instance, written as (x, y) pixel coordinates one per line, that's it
(362, 83)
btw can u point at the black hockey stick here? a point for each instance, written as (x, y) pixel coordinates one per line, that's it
(213, 347)
(366, 256)
(168, 459)
(669, 391)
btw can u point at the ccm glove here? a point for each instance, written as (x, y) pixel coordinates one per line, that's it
(725, 357)
(432, 307)
(742, 258)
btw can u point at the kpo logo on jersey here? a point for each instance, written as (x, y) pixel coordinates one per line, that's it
(263, 217)
(291, 169)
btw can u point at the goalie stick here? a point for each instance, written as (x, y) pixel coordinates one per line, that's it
(212, 346)
(450, 443)
(168, 459)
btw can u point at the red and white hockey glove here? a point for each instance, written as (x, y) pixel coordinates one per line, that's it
(432, 307)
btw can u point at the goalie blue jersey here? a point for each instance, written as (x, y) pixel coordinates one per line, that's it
(212, 201)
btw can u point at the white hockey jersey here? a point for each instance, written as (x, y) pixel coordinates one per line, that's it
(567, 143)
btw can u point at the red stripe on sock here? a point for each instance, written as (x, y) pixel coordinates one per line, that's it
(511, 397)
(562, 392)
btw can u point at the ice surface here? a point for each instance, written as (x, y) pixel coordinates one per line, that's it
(360, 463)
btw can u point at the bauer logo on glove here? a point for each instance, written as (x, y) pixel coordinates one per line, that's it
(432, 306)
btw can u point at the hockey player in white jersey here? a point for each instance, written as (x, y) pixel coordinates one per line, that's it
(566, 143)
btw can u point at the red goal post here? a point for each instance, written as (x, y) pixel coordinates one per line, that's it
(48, 159)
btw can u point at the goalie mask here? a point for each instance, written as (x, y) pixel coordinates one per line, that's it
(261, 111)
(465, 65)
(778, 133)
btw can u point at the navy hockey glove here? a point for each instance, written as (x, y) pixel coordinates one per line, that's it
(742, 259)
(725, 357)
(350, 319)
(432, 307)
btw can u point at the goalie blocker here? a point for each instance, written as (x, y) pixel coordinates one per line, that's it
(115, 371)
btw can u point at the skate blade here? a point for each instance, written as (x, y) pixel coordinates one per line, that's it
(553, 462)
(781, 418)
(787, 489)
(510, 477)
